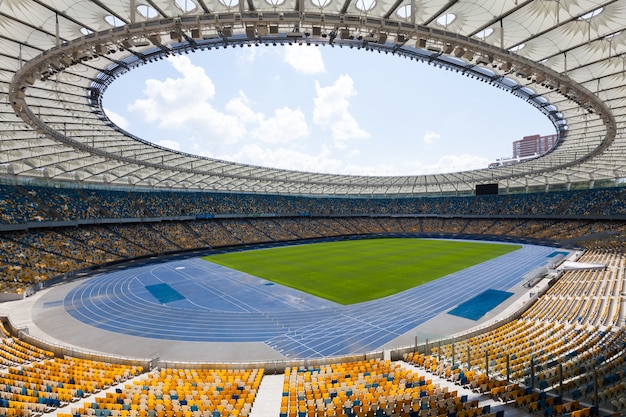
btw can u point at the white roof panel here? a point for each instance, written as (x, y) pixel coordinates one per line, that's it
(59, 56)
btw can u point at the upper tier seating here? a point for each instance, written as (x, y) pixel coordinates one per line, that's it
(22, 204)
(33, 256)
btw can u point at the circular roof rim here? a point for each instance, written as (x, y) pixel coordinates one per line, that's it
(24, 77)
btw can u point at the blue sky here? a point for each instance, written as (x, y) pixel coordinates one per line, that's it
(322, 109)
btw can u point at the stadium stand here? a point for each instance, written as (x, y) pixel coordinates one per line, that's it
(44, 240)
(38, 204)
(79, 193)
(368, 388)
(179, 392)
(34, 381)
(563, 355)
(572, 336)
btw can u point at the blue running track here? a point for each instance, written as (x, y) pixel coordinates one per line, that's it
(222, 305)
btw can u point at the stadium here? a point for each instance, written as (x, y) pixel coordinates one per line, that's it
(108, 308)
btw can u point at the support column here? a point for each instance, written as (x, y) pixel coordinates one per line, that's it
(453, 355)
(487, 363)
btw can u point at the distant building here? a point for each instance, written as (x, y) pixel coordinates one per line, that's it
(534, 145)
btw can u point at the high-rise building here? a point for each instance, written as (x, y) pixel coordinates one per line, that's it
(533, 145)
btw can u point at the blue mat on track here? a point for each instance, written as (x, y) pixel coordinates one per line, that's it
(480, 305)
(164, 293)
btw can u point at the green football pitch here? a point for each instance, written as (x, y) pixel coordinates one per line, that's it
(355, 271)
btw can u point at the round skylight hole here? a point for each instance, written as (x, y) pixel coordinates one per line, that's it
(113, 21)
(612, 35)
(146, 11)
(483, 34)
(321, 3)
(446, 19)
(230, 3)
(186, 5)
(404, 11)
(365, 5)
(591, 14)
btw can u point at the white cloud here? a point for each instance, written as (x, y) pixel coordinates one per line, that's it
(327, 161)
(332, 110)
(305, 59)
(171, 144)
(284, 126)
(206, 115)
(286, 159)
(117, 118)
(447, 163)
(172, 93)
(249, 55)
(431, 137)
(240, 107)
(184, 104)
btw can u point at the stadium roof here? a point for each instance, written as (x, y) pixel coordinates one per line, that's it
(567, 58)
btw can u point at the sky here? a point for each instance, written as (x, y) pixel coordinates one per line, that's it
(321, 109)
